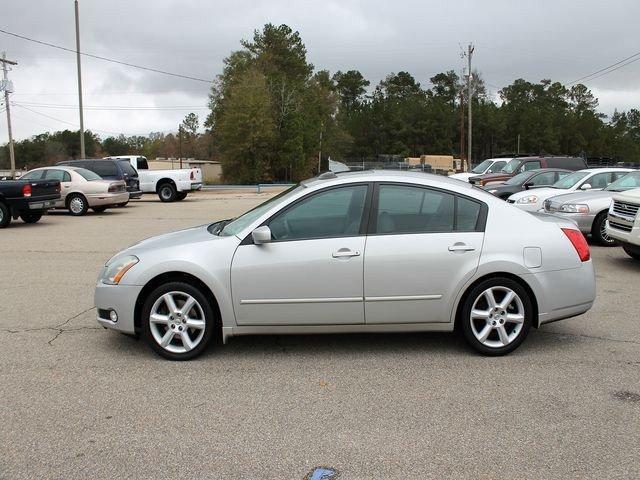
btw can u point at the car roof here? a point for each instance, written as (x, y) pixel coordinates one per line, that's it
(328, 178)
(606, 169)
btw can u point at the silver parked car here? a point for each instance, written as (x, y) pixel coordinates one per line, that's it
(365, 251)
(589, 209)
(81, 189)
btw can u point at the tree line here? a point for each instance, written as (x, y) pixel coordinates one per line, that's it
(272, 112)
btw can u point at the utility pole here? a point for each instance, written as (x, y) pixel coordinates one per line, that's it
(518, 147)
(462, 157)
(320, 149)
(82, 151)
(6, 86)
(470, 98)
(180, 144)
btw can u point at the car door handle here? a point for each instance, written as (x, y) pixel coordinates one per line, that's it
(461, 247)
(345, 252)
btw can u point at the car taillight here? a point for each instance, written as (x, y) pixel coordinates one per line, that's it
(26, 190)
(114, 187)
(579, 243)
(192, 176)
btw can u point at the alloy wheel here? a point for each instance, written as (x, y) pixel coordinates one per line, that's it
(177, 322)
(604, 235)
(497, 317)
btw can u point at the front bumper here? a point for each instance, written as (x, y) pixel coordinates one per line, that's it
(105, 199)
(122, 299)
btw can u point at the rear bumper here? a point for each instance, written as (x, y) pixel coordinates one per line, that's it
(188, 185)
(105, 199)
(563, 293)
(32, 204)
(121, 299)
(134, 193)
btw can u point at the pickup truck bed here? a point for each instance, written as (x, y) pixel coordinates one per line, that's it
(28, 200)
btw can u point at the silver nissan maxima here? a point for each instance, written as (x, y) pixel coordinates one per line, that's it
(369, 251)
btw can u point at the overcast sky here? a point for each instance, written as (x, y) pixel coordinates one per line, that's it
(561, 39)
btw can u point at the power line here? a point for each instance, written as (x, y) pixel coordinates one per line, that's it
(67, 106)
(617, 64)
(106, 59)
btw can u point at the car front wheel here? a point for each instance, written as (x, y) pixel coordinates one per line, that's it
(177, 321)
(599, 231)
(496, 316)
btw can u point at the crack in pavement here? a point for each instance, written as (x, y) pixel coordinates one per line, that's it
(59, 327)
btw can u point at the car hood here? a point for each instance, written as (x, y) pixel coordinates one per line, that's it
(631, 196)
(543, 192)
(188, 236)
(581, 197)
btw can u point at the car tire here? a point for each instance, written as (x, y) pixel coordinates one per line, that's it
(98, 209)
(167, 192)
(77, 204)
(167, 330)
(181, 196)
(5, 216)
(633, 252)
(496, 316)
(31, 217)
(599, 233)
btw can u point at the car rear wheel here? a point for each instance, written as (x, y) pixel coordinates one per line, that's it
(5, 217)
(98, 209)
(77, 205)
(599, 231)
(31, 217)
(167, 192)
(496, 316)
(120, 205)
(177, 321)
(633, 252)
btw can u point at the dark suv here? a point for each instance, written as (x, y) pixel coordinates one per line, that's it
(523, 164)
(111, 170)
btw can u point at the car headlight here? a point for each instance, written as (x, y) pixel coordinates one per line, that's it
(574, 208)
(528, 199)
(113, 272)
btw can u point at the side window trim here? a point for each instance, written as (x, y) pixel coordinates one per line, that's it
(364, 221)
(481, 222)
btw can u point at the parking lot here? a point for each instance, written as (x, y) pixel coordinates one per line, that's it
(78, 401)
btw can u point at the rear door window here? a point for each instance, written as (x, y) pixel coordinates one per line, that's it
(105, 168)
(57, 174)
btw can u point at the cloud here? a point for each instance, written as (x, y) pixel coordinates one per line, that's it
(535, 40)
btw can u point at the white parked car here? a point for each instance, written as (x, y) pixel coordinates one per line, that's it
(169, 185)
(587, 179)
(490, 165)
(373, 251)
(623, 221)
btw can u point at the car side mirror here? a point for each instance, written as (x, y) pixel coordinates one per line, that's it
(585, 186)
(528, 185)
(261, 235)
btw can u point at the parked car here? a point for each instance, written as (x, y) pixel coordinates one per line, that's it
(372, 251)
(623, 222)
(27, 199)
(83, 189)
(540, 177)
(170, 185)
(589, 179)
(490, 165)
(589, 209)
(111, 170)
(522, 164)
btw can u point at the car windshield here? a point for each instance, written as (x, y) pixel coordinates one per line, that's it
(88, 174)
(570, 180)
(518, 179)
(629, 181)
(243, 221)
(511, 166)
(482, 167)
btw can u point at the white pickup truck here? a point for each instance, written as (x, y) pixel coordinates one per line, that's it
(170, 185)
(623, 221)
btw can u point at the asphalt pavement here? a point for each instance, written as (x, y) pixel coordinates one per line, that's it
(78, 401)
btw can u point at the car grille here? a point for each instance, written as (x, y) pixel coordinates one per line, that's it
(619, 226)
(510, 201)
(625, 209)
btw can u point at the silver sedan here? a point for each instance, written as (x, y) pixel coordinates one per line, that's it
(589, 209)
(355, 252)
